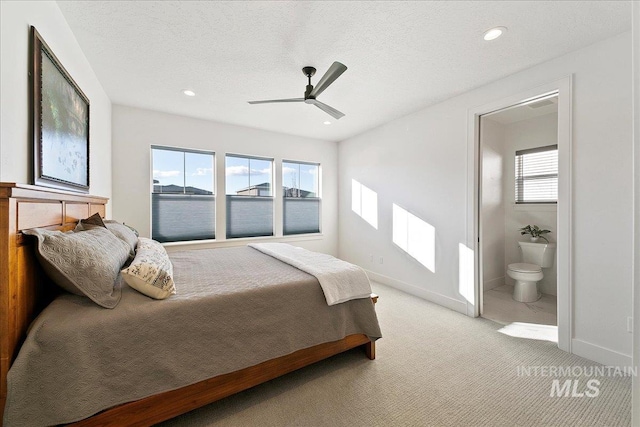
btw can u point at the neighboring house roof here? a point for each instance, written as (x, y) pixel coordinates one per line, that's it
(171, 188)
(263, 186)
(288, 191)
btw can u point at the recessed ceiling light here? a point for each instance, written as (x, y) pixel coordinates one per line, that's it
(494, 33)
(189, 92)
(327, 123)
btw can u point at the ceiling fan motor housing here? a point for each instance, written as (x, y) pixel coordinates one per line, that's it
(307, 93)
(309, 72)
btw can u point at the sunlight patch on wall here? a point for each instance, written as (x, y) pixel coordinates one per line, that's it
(466, 273)
(415, 236)
(364, 202)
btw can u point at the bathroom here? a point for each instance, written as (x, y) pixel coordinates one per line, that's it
(519, 188)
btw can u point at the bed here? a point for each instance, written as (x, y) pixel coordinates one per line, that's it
(25, 292)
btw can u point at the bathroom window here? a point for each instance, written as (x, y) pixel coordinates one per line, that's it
(537, 175)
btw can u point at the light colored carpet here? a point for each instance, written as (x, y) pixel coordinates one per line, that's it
(434, 367)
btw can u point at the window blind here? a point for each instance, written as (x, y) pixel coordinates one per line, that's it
(179, 217)
(301, 215)
(537, 175)
(249, 216)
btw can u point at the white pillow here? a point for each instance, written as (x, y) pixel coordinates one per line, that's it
(150, 272)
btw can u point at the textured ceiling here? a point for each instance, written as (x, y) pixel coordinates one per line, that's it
(402, 56)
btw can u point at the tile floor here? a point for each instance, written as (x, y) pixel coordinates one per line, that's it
(500, 307)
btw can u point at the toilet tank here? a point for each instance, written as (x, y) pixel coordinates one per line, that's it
(541, 254)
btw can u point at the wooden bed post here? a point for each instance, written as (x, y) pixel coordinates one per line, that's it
(370, 347)
(370, 350)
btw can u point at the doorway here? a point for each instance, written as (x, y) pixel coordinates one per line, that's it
(559, 94)
(518, 216)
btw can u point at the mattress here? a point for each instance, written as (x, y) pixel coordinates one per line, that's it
(234, 308)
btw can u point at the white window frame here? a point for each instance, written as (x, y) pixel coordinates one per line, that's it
(318, 195)
(184, 150)
(273, 196)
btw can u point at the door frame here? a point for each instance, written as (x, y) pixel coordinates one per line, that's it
(563, 87)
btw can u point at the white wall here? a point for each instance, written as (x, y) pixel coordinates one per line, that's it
(636, 138)
(534, 132)
(420, 161)
(15, 140)
(493, 206)
(135, 130)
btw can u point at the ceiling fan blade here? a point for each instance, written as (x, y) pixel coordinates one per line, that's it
(277, 100)
(329, 110)
(329, 77)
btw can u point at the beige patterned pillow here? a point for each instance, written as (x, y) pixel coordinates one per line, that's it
(84, 263)
(122, 232)
(151, 272)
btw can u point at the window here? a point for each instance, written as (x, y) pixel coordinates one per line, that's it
(249, 196)
(301, 198)
(537, 175)
(183, 202)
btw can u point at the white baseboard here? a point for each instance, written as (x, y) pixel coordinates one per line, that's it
(434, 297)
(493, 283)
(599, 354)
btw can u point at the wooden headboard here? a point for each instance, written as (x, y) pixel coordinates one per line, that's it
(24, 289)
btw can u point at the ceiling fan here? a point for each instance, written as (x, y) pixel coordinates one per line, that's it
(311, 93)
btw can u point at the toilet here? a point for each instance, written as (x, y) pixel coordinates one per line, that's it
(527, 274)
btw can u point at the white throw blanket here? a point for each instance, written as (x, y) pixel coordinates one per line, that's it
(340, 280)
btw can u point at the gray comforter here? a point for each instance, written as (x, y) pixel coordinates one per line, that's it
(234, 308)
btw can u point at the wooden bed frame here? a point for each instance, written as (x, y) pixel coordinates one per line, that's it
(25, 291)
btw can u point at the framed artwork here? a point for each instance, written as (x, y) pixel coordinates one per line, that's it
(60, 122)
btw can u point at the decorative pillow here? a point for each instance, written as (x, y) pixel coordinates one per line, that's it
(151, 272)
(85, 263)
(94, 219)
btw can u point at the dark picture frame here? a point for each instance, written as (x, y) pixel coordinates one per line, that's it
(59, 122)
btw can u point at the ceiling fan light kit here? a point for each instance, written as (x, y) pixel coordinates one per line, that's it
(311, 92)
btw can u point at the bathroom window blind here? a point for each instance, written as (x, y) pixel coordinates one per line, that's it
(537, 175)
